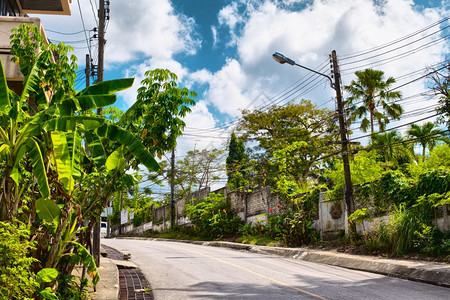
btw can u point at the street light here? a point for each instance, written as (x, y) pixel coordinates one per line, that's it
(281, 58)
(277, 56)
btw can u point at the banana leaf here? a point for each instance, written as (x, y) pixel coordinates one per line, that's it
(69, 123)
(69, 106)
(108, 87)
(97, 152)
(49, 211)
(4, 93)
(126, 138)
(115, 160)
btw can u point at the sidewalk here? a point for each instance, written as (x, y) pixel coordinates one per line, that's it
(108, 286)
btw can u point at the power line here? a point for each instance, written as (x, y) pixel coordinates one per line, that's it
(364, 52)
(93, 12)
(64, 33)
(84, 28)
(397, 48)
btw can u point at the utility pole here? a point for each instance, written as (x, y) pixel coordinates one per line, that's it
(348, 188)
(88, 70)
(101, 51)
(96, 228)
(101, 39)
(172, 190)
(121, 207)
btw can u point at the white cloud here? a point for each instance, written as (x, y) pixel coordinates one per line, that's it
(230, 17)
(228, 88)
(148, 28)
(200, 130)
(214, 35)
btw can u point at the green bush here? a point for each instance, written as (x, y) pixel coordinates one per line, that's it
(433, 181)
(211, 218)
(17, 281)
(292, 229)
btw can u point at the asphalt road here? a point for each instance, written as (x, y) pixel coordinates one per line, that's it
(187, 271)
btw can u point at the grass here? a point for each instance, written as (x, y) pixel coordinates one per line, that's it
(258, 240)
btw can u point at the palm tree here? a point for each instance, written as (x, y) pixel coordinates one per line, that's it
(369, 93)
(427, 135)
(391, 145)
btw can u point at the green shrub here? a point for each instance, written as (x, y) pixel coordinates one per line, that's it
(211, 218)
(17, 281)
(292, 229)
(433, 181)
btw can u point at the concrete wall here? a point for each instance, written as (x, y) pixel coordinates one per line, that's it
(257, 206)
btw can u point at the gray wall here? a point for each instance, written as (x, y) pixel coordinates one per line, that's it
(259, 205)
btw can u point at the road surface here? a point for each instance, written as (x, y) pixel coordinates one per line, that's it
(187, 271)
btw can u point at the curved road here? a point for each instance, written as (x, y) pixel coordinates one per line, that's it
(187, 271)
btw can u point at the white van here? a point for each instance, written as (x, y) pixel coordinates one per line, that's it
(103, 228)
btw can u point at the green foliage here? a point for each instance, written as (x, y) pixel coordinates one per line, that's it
(292, 229)
(433, 181)
(289, 183)
(211, 217)
(47, 275)
(143, 210)
(236, 163)
(364, 168)
(359, 216)
(392, 188)
(392, 149)
(367, 94)
(16, 276)
(157, 114)
(427, 135)
(308, 203)
(45, 169)
(58, 75)
(439, 157)
(411, 229)
(279, 127)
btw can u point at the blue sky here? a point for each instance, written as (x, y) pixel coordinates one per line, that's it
(222, 50)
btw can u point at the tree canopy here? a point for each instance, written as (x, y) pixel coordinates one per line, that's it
(280, 126)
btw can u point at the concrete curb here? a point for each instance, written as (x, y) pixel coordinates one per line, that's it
(421, 271)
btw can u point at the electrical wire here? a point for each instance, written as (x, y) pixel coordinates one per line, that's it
(65, 33)
(364, 52)
(84, 28)
(93, 12)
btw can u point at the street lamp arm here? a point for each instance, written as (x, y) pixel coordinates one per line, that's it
(280, 58)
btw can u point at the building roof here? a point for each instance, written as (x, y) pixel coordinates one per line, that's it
(51, 7)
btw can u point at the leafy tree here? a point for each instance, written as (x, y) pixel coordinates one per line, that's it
(364, 168)
(197, 170)
(441, 79)
(427, 135)
(367, 94)
(157, 114)
(236, 163)
(280, 126)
